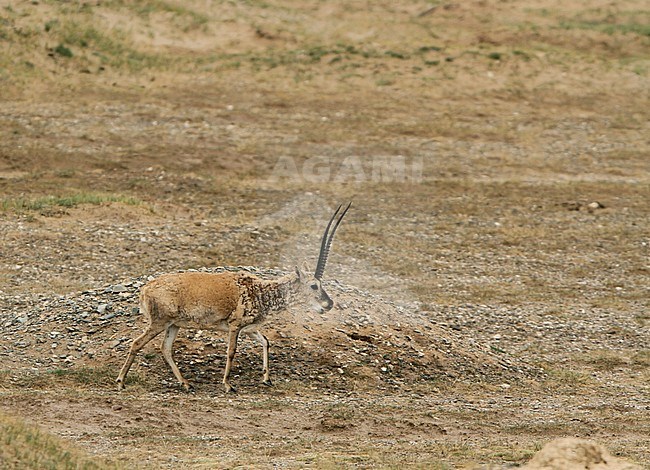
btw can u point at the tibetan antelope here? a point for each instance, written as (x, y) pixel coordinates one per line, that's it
(227, 301)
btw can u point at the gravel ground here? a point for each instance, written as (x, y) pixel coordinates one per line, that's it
(497, 300)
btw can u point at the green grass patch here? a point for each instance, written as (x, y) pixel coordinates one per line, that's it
(641, 29)
(333, 54)
(183, 17)
(566, 379)
(86, 375)
(425, 49)
(522, 54)
(396, 55)
(48, 202)
(606, 360)
(187, 19)
(63, 51)
(72, 377)
(112, 47)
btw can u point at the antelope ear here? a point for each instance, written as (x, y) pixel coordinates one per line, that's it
(305, 268)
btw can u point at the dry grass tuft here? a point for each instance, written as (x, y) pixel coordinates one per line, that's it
(25, 446)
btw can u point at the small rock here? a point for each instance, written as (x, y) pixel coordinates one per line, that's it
(592, 206)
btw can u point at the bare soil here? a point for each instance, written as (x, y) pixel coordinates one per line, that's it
(489, 300)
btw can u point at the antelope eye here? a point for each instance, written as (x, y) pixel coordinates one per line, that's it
(314, 286)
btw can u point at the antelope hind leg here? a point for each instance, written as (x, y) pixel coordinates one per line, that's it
(150, 333)
(233, 334)
(266, 379)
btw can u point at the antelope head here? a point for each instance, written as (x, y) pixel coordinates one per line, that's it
(310, 285)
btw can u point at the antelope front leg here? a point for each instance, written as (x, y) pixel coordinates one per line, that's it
(266, 379)
(232, 348)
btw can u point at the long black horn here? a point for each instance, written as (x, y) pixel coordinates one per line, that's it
(323, 243)
(326, 241)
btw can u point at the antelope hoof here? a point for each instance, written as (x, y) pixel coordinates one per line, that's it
(120, 384)
(188, 387)
(267, 382)
(230, 389)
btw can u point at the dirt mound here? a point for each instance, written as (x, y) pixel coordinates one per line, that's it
(363, 340)
(576, 454)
